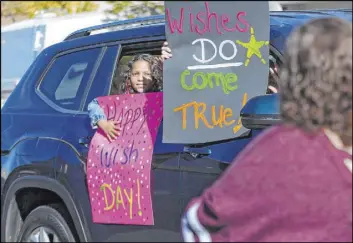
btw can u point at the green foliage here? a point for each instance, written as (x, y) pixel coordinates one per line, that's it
(133, 9)
(120, 9)
(31, 8)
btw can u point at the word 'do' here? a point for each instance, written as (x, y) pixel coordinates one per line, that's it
(220, 50)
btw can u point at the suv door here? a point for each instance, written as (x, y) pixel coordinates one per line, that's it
(72, 155)
(61, 92)
(72, 79)
(79, 131)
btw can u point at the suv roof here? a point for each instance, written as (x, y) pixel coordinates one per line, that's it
(159, 19)
(282, 23)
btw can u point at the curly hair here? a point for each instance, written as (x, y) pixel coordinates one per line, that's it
(316, 78)
(156, 71)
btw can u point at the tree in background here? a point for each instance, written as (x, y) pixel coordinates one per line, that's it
(13, 9)
(19, 10)
(133, 9)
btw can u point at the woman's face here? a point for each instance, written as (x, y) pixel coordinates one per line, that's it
(141, 77)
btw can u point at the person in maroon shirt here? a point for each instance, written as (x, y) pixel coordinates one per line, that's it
(293, 183)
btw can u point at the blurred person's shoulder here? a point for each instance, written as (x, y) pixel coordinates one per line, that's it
(284, 149)
(286, 139)
(278, 140)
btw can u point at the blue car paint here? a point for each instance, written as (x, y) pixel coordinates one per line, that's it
(267, 105)
(282, 23)
(38, 139)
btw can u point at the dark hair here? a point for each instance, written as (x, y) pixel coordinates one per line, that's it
(316, 78)
(156, 71)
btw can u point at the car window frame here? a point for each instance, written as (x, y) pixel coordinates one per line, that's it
(277, 54)
(122, 53)
(105, 44)
(87, 91)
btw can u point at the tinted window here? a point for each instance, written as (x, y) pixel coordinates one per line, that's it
(67, 78)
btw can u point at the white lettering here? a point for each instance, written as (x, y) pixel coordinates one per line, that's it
(235, 50)
(202, 60)
(221, 65)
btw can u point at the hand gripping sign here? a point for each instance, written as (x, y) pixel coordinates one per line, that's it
(118, 173)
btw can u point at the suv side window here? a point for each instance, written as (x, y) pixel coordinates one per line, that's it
(65, 81)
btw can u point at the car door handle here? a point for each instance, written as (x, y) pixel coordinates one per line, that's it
(197, 152)
(84, 141)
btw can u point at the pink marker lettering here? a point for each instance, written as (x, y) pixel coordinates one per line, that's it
(243, 21)
(174, 24)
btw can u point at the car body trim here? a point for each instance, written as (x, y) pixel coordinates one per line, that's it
(91, 77)
(260, 121)
(6, 152)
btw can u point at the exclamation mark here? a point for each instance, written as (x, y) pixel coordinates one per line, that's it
(238, 126)
(138, 197)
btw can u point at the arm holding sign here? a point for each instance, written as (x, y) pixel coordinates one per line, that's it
(96, 113)
(143, 74)
(98, 119)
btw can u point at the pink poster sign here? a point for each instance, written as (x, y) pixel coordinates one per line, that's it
(119, 173)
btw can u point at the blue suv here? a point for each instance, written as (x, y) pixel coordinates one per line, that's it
(46, 130)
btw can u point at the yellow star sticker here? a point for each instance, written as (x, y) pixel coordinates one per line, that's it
(253, 47)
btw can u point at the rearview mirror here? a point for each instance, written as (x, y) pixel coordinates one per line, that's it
(261, 112)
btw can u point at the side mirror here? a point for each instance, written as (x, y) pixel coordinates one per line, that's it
(261, 112)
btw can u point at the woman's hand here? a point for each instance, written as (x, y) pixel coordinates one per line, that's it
(166, 51)
(110, 128)
(273, 89)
